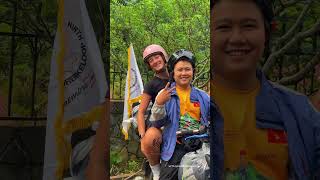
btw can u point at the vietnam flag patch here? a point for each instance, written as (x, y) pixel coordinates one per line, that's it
(277, 136)
(196, 104)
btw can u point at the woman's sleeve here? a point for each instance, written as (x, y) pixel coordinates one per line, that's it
(158, 115)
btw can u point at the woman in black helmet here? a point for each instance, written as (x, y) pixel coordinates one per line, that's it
(179, 106)
(264, 131)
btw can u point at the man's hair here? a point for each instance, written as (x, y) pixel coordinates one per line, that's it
(265, 7)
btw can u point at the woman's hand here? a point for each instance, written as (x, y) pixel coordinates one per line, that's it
(164, 95)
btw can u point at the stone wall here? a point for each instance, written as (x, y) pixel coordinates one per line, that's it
(129, 149)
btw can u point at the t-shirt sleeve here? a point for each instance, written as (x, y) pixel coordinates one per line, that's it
(148, 89)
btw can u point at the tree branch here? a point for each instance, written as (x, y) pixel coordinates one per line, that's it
(47, 31)
(298, 22)
(204, 84)
(270, 61)
(301, 74)
(201, 72)
(284, 5)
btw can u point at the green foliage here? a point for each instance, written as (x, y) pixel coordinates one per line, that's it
(133, 166)
(115, 158)
(119, 166)
(173, 24)
(37, 19)
(301, 52)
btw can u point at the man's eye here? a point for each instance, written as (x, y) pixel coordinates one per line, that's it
(223, 27)
(249, 25)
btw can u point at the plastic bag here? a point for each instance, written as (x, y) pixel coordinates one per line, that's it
(195, 165)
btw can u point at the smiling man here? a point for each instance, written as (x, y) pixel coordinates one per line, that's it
(263, 130)
(178, 107)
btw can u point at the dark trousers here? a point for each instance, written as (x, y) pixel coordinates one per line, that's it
(169, 169)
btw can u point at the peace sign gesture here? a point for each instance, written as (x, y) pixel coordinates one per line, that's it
(164, 95)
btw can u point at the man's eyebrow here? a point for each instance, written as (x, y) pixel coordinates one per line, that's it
(227, 20)
(249, 20)
(222, 20)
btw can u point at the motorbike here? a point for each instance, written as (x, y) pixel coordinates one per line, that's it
(195, 164)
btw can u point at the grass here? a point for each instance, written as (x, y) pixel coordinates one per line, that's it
(119, 166)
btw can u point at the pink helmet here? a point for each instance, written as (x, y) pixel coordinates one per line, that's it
(152, 50)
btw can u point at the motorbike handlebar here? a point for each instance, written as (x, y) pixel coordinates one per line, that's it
(202, 130)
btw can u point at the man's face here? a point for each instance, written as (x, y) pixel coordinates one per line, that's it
(237, 36)
(183, 73)
(156, 63)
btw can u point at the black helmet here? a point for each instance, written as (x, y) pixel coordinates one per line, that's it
(178, 55)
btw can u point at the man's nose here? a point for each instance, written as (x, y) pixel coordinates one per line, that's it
(237, 36)
(184, 72)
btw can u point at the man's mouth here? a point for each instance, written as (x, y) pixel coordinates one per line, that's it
(237, 52)
(184, 78)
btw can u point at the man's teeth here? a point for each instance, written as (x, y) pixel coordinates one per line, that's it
(238, 52)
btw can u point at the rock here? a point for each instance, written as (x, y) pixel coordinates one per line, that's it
(117, 144)
(124, 155)
(133, 147)
(140, 154)
(133, 157)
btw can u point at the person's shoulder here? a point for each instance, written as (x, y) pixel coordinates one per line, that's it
(155, 81)
(293, 98)
(149, 87)
(285, 91)
(279, 90)
(150, 84)
(202, 92)
(299, 103)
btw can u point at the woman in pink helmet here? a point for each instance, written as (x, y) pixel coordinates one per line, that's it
(156, 59)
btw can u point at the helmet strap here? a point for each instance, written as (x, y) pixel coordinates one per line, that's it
(171, 79)
(162, 74)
